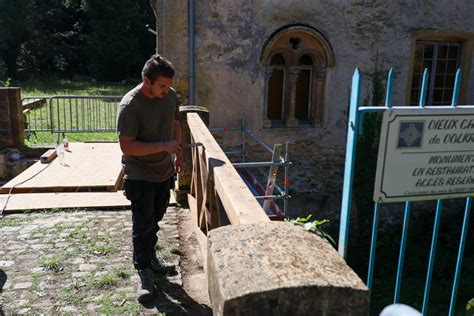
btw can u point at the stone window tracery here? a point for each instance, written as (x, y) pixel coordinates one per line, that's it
(295, 62)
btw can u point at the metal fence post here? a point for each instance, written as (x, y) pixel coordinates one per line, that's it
(349, 164)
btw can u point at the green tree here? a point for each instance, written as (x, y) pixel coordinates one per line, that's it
(57, 45)
(15, 26)
(117, 46)
(105, 38)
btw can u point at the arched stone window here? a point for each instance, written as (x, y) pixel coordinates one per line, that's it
(296, 59)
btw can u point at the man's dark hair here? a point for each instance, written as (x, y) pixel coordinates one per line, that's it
(157, 66)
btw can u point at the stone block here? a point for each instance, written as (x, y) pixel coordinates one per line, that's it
(277, 268)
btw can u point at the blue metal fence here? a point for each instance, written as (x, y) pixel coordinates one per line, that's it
(356, 113)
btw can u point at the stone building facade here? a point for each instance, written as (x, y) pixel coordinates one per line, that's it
(286, 66)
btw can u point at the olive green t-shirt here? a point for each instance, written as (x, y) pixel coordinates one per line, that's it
(147, 120)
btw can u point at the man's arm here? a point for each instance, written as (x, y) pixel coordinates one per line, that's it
(132, 147)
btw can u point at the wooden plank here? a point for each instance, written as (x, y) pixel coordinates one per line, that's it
(48, 156)
(119, 184)
(194, 172)
(37, 201)
(200, 236)
(197, 175)
(33, 103)
(91, 165)
(203, 205)
(239, 203)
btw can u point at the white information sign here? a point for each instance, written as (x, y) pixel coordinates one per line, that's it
(425, 154)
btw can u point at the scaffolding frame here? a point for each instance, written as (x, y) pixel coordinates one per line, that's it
(278, 159)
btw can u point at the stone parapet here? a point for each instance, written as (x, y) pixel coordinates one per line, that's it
(277, 268)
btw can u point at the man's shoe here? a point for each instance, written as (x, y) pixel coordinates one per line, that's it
(160, 266)
(145, 289)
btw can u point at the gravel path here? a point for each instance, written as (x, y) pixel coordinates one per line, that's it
(79, 262)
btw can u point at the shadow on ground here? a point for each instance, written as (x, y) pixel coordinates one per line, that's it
(3, 280)
(170, 298)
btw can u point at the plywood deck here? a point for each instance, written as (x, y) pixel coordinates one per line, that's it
(39, 201)
(93, 166)
(36, 201)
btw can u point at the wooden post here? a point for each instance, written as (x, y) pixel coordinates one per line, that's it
(184, 180)
(12, 123)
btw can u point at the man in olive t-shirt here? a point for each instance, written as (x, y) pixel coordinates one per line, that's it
(149, 133)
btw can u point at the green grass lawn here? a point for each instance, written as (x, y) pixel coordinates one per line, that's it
(75, 114)
(52, 87)
(44, 139)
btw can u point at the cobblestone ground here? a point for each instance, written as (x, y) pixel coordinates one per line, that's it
(80, 262)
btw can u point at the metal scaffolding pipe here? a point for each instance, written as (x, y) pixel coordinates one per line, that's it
(258, 164)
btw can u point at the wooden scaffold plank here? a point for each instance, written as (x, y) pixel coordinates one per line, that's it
(86, 165)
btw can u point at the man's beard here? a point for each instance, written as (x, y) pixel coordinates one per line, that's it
(160, 96)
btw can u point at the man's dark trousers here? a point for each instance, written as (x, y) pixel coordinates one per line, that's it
(149, 202)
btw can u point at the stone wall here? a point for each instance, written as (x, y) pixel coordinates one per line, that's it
(14, 161)
(172, 38)
(230, 39)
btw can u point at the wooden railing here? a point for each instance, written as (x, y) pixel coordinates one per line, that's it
(218, 196)
(221, 194)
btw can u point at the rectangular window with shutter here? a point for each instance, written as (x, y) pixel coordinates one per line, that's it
(442, 59)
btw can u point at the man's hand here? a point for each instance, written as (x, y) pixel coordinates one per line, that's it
(173, 147)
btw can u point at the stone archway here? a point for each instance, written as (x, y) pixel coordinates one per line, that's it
(299, 56)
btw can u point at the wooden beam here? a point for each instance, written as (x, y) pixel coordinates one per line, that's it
(32, 103)
(40, 201)
(240, 205)
(48, 156)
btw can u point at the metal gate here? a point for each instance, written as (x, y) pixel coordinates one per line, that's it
(71, 114)
(356, 114)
